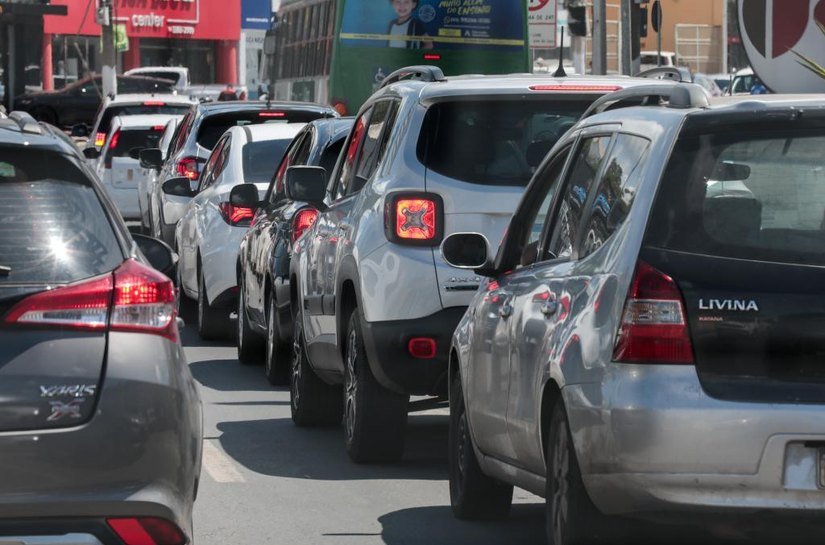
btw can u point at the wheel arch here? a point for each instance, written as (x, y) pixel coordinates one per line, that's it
(549, 397)
(348, 297)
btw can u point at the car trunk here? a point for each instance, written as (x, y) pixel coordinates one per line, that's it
(126, 173)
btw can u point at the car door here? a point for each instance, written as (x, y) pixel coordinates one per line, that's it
(84, 103)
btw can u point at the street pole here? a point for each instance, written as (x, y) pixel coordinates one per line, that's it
(109, 73)
(626, 33)
(599, 37)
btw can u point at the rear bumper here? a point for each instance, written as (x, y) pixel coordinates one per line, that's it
(393, 366)
(649, 439)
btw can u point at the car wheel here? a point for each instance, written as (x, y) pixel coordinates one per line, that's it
(313, 402)
(473, 495)
(250, 343)
(571, 517)
(375, 418)
(213, 323)
(277, 359)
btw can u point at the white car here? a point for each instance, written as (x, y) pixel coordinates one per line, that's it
(149, 176)
(209, 234)
(177, 74)
(117, 164)
(648, 59)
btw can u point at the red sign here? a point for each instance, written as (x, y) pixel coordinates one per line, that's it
(187, 19)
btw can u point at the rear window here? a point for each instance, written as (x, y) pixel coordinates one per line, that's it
(139, 109)
(752, 196)
(126, 139)
(174, 77)
(213, 127)
(53, 228)
(494, 142)
(261, 158)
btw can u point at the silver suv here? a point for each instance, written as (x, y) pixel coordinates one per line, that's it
(648, 339)
(375, 302)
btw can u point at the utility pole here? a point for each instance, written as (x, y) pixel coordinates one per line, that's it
(626, 33)
(106, 20)
(599, 37)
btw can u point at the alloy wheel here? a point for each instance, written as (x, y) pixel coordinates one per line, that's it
(351, 386)
(295, 382)
(270, 337)
(461, 447)
(241, 312)
(561, 479)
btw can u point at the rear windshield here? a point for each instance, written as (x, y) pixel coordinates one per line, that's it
(174, 77)
(260, 159)
(213, 127)
(139, 109)
(497, 142)
(754, 196)
(53, 228)
(126, 139)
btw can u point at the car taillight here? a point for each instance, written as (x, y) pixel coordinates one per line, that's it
(236, 215)
(189, 167)
(100, 139)
(147, 531)
(134, 298)
(154, 103)
(653, 328)
(414, 218)
(577, 88)
(303, 220)
(115, 140)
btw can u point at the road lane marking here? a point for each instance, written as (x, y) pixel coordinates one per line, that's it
(219, 466)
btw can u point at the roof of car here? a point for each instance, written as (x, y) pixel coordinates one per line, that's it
(139, 98)
(142, 121)
(44, 136)
(269, 131)
(240, 105)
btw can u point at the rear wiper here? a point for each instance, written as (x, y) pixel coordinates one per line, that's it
(5, 271)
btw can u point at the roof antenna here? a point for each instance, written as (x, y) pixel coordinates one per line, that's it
(560, 73)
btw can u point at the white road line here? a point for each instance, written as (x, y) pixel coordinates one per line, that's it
(219, 466)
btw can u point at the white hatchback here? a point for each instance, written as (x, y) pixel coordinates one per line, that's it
(208, 235)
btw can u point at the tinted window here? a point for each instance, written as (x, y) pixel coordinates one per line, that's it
(345, 176)
(616, 191)
(126, 139)
(261, 158)
(53, 228)
(585, 168)
(138, 109)
(213, 165)
(330, 156)
(755, 196)
(213, 127)
(182, 133)
(174, 77)
(370, 152)
(494, 142)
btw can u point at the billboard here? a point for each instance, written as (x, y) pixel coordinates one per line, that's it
(779, 36)
(428, 24)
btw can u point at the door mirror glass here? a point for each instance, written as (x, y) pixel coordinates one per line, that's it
(151, 158)
(245, 196)
(466, 251)
(178, 187)
(307, 184)
(91, 153)
(157, 253)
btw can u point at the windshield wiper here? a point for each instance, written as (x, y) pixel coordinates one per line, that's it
(5, 271)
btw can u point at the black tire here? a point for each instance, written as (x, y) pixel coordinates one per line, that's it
(313, 402)
(572, 519)
(473, 495)
(250, 343)
(213, 323)
(375, 418)
(277, 360)
(46, 115)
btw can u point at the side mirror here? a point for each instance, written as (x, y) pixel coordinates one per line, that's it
(158, 253)
(91, 153)
(178, 187)
(466, 251)
(151, 158)
(80, 130)
(307, 184)
(245, 196)
(134, 153)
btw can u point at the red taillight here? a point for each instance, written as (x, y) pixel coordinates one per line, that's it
(114, 141)
(134, 298)
(422, 348)
(236, 215)
(432, 57)
(654, 328)
(158, 128)
(189, 167)
(147, 531)
(303, 220)
(100, 139)
(414, 219)
(271, 114)
(154, 103)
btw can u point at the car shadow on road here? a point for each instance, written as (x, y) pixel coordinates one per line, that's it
(242, 378)
(276, 447)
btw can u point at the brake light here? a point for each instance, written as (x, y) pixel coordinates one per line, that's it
(303, 220)
(189, 167)
(100, 139)
(115, 139)
(147, 531)
(414, 218)
(236, 215)
(653, 328)
(154, 103)
(271, 114)
(579, 88)
(158, 128)
(432, 57)
(134, 298)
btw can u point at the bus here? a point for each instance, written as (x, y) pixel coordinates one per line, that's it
(338, 52)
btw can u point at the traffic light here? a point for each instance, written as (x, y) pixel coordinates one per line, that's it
(643, 22)
(577, 20)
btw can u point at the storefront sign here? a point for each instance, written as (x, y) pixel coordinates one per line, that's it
(196, 19)
(256, 14)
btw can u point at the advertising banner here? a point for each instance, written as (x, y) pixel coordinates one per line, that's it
(428, 24)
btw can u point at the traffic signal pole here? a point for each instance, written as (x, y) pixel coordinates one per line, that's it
(626, 44)
(107, 36)
(599, 37)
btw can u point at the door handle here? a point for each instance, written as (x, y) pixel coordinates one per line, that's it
(506, 310)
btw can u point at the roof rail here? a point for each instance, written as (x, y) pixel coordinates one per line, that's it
(678, 95)
(26, 122)
(416, 73)
(679, 74)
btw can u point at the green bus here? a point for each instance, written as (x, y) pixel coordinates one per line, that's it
(339, 51)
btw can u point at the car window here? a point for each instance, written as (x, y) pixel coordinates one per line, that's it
(296, 155)
(346, 171)
(369, 156)
(54, 228)
(259, 158)
(124, 140)
(330, 156)
(182, 133)
(212, 166)
(582, 175)
(750, 195)
(615, 193)
(215, 125)
(149, 108)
